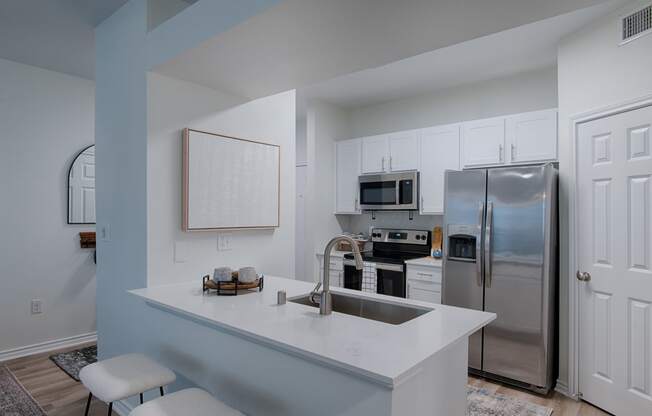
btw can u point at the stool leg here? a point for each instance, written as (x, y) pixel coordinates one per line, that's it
(141, 398)
(88, 404)
(110, 408)
(161, 388)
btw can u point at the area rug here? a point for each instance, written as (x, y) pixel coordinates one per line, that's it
(73, 361)
(14, 399)
(482, 402)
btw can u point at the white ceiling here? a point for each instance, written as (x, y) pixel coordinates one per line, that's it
(302, 42)
(521, 49)
(53, 34)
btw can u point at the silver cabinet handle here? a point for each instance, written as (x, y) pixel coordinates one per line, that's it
(356, 203)
(583, 276)
(478, 245)
(500, 153)
(487, 243)
(422, 203)
(390, 163)
(513, 152)
(383, 162)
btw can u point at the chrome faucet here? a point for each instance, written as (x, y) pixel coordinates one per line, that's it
(323, 298)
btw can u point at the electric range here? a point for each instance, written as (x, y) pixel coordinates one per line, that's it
(391, 248)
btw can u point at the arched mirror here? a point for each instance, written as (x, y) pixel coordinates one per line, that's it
(81, 188)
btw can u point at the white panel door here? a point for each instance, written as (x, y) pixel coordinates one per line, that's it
(81, 189)
(403, 151)
(375, 154)
(483, 142)
(615, 249)
(346, 176)
(532, 137)
(440, 151)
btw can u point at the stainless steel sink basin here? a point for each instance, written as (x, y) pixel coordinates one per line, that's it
(376, 310)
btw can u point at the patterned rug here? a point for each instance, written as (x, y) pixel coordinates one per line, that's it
(14, 399)
(482, 402)
(73, 361)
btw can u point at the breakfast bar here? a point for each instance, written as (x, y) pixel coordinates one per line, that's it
(270, 359)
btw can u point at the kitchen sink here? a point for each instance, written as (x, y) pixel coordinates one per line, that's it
(390, 313)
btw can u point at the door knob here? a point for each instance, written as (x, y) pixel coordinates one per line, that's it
(583, 276)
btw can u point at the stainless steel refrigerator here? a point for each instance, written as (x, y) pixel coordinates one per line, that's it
(500, 245)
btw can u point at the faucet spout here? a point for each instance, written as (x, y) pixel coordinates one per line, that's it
(324, 297)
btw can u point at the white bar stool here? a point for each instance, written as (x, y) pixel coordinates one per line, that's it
(188, 402)
(123, 376)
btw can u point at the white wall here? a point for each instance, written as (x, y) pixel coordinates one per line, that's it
(594, 72)
(46, 118)
(326, 124)
(527, 91)
(175, 104)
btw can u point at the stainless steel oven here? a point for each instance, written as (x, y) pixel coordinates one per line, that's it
(390, 278)
(391, 191)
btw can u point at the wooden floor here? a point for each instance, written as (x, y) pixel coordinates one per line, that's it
(56, 392)
(60, 395)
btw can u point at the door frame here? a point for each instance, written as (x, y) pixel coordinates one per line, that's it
(573, 387)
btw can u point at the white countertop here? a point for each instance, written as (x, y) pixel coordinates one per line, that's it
(425, 261)
(352, 344)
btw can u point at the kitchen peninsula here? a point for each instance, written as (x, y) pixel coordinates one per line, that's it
(269, 359)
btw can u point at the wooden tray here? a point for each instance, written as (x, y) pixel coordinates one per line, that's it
(231, 288)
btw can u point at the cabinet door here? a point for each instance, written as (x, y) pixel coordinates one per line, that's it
(483, 142)
(375, 154)
(440, 151)
(346, 176)
(532, 137)
(424, 292)
(403, 151)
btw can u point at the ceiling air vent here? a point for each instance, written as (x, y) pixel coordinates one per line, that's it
(637, 24)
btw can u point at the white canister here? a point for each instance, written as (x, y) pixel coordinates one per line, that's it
(222, 274)
(247, 274)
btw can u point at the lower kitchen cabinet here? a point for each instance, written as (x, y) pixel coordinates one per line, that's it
(424, 283)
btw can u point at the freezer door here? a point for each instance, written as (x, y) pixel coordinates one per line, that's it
(462, 283)
(518, 273)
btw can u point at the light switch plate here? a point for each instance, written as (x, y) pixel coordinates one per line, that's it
(105, 232)
(224, 241)
(36, 306)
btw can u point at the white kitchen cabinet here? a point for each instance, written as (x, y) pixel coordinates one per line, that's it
(424, 283)
(532, 137)
(375, 154)
(336, 270)
(424, 291)
(440, 151)
(403, 151)
(347, 170)
(483, 142)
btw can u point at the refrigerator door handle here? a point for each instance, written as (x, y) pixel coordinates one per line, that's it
(478, 245)
(487, 243)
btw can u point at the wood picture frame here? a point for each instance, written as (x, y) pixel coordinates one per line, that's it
(255, 166)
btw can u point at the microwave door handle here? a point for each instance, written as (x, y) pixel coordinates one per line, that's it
(478, 245)
(487, 242)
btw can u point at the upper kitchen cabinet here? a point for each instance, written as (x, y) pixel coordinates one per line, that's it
(511, 140)
(440, 151)
(483, 142)
(347, 170)
(532, 137)
(375, 154)
(393, 152)
(403, 151)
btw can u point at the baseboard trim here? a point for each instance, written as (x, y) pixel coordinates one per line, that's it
(562, 388)
(47, 346)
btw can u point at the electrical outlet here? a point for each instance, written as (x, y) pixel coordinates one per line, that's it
(224, 241)
(37, 306)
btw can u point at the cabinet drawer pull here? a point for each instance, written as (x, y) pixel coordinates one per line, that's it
(424, 274)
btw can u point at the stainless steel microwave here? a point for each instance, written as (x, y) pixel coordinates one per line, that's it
(391, 191)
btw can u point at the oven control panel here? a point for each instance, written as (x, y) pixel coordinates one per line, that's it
(384, 235)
